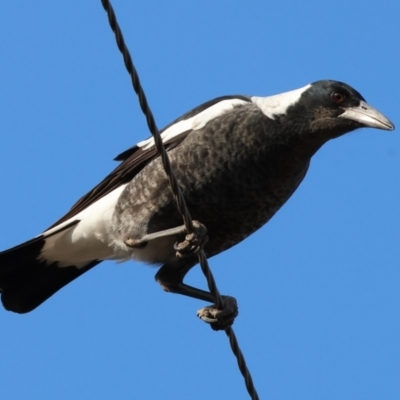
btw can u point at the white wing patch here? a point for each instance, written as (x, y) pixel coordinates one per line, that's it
(279, 103)
(194, 123)
(86, 241)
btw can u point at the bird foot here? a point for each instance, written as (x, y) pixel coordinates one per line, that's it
(220, 319)
(193, 242)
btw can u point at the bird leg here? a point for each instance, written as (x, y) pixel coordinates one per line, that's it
(192, 244)
(170, 277)
(130, 242)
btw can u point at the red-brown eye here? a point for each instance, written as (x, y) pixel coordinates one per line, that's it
(338, 97)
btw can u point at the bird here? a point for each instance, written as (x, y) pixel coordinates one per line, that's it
(237, 160)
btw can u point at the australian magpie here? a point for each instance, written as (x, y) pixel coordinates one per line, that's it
(238, 159)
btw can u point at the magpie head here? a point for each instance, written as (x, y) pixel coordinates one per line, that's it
(332, 108)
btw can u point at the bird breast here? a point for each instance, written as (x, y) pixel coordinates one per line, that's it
(234, 174)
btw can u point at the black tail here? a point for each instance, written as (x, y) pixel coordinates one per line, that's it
(25, 282)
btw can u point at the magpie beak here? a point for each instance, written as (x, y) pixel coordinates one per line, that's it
(367, 116)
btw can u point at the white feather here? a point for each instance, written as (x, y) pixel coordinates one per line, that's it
(279, 103)
(194, 123)
(86, 241)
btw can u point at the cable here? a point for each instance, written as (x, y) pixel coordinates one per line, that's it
(181, 204)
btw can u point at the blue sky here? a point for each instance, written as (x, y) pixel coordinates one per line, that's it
(318, 287)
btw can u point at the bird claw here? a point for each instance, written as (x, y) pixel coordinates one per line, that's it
(193, 242)
(220, 319)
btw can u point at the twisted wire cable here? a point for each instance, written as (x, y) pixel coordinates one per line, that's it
(180, 201)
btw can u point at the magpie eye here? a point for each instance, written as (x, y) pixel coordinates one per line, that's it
(338, 97)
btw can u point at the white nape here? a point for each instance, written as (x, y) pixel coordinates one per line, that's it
(279, 103)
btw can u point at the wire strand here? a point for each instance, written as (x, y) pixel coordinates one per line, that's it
(177, 193)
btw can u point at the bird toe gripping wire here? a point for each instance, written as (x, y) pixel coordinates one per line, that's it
(220, 320)
(194, 242)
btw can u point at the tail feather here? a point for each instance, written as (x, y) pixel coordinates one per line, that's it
(26, 281)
